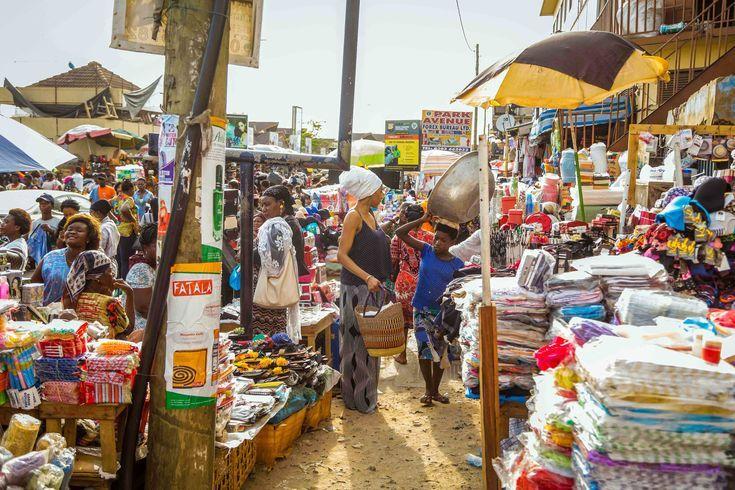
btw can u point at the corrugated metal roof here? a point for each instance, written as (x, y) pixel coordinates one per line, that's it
(91, 75)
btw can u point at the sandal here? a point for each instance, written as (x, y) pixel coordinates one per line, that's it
(426, 400)
(401, 359)
(441, 398)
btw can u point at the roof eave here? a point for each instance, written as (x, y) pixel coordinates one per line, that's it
(548, 7)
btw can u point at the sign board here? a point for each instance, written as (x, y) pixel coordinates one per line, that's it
(403, 145)
(446, 130)
(237, 131)
(192, 335)
(210, 194)
(297, 125)
(168, 135)
(504, 122)
(273, 138)
(251, 136)
(132, 29)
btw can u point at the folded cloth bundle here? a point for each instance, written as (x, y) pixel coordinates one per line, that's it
(107, 393)
(59, 369)
(68, 392)
(124, 363)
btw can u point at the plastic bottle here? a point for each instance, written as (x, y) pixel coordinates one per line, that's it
(4, 288)
(697, 345)
(529, 204)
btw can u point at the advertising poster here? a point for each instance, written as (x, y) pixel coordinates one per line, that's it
(168, 135)
(403, 145)
(237, 131)
(192, 335)
(211, 194)
(446, 130)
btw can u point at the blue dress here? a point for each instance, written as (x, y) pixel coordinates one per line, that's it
(54, 272)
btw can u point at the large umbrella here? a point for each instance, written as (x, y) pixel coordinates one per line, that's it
(23, 149)
(563, 71)
(366, 153)
(81, 132)
(436, 162)
(120, 138)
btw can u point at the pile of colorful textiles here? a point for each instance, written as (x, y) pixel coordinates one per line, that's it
(650, 417)
(522, 321)
(111, 369)
(22, 390)
(225, 386)
(575, 294)
(60, 378)
(626, 271)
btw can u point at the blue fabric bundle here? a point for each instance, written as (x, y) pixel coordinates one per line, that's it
(59, 369)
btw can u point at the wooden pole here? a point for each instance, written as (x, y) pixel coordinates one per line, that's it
(181, 442)
(629, 185)
(477, 71)
(580, 189)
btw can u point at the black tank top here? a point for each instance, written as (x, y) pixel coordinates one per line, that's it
(371, 252)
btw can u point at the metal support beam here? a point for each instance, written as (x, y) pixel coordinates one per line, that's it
(247, 194)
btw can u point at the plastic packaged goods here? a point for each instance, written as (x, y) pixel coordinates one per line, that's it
(567, 167)
(598, 154)
(18, 470)
(5, 456)
(641, 307)
(65, 461)
(47, 477)
(21, 434)
(53, 441)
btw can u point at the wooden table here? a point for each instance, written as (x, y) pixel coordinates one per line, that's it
(309, 333)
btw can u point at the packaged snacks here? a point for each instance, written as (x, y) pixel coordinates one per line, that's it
(21, 434)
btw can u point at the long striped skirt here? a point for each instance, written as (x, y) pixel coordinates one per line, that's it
(360, 371)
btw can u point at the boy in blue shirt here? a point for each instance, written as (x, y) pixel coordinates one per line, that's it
(435, 272)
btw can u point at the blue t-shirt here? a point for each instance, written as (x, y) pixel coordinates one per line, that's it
(434, 275)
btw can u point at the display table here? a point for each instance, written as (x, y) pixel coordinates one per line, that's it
(315, 326)
(54, 413)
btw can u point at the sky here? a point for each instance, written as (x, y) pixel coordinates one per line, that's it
(411, 53)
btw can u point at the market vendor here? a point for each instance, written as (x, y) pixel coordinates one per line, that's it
(15, 224)
(82, 233)
(88, 291)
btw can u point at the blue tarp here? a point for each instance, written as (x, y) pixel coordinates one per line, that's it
(586, 115)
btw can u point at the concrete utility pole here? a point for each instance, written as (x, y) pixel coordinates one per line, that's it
(477, 72)
(181, 442)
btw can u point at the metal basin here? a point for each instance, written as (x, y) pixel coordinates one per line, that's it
(456, 197)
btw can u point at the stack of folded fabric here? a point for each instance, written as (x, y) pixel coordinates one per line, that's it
(60, 370)
(574, 294)
(110, 372)
(650, 417)
(625, 271)
(600, 181)
(61, 378)
(586, 170)
(18, 360)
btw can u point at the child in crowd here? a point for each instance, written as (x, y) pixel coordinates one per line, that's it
(435, 272)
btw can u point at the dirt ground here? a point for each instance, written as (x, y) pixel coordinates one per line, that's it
(403, 445)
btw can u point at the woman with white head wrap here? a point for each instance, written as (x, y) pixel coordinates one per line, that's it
(364, 252)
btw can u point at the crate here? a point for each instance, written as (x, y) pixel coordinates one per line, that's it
(275, 441)
(317, 413)
(232, 467)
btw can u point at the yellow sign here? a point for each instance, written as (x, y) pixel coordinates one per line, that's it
(403, 145)
(132, 29)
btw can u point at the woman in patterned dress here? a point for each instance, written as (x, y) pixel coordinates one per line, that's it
(406, 263)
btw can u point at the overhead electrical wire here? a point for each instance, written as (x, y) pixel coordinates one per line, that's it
(461, 24)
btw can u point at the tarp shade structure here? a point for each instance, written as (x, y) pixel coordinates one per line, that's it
(615, 109)
(564, 71)
(436, 162)
(23, 149)
(120, 138)
(81, 132)
(135, 101)
(96, 104)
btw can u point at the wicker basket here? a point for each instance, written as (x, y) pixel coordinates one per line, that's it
(382, 329)
(233, 466)
(317, 413)
(275, 441)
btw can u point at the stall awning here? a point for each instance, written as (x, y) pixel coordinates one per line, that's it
(614, 109)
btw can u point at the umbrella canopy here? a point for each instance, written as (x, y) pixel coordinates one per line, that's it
(366, 153)
(81, 132)
(23, 149)
(565, 71)
(120, 138)
(436, 162)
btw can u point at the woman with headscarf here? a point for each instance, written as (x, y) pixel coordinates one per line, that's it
(82, 232)
(142, 273)
(364, 252)
(89, 288)
(276, 203)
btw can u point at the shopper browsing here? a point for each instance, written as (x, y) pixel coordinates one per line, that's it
(13, 227)
(435, 272)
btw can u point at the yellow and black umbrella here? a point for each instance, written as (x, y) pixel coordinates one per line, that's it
(565, 71)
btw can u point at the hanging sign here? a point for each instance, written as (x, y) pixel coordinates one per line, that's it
(403, 145)
(446, 130)
(237, 131)
(192, 333)
(168, 135)
(211, 194)
(133, 27)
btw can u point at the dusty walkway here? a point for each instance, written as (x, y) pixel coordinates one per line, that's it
(403, 445)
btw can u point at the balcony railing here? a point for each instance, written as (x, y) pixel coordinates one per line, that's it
(644, 18)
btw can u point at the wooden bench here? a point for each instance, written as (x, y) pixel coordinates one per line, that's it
(310, 333)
